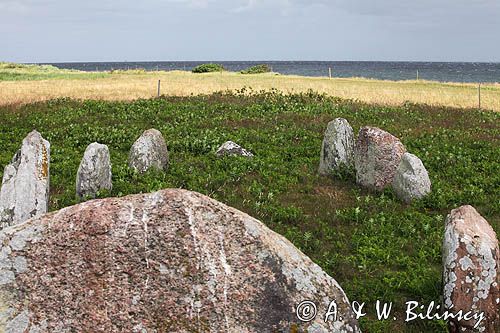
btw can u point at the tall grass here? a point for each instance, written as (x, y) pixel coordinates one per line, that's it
(26, 85)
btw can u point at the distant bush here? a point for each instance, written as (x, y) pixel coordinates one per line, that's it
(258, 69)
(208, 68)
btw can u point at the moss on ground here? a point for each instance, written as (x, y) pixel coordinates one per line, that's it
(375, 246)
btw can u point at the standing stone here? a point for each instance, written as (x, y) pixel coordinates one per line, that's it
(94, 173)
(338, 147)
(412, 180)
(376, 157)
(471, 260)
(170, 261)
(25, 185)
(230, 148)
(149, 151)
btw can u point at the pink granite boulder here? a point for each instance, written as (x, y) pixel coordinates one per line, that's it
(471, 261)
(377, 155)
(170, 261)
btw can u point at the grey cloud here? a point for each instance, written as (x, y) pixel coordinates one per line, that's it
(70, 30)
(420, 8)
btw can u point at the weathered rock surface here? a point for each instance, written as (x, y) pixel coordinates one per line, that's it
(411, 181)
(25, 185)
(149, 151)
(173, 261)
(94, 173)
(377, 155)
(471, 261)
(338, 147)
(230, 148)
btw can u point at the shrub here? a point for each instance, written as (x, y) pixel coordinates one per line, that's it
(258, 69)
(208, 68)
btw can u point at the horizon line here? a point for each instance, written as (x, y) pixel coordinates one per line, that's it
(263, 61)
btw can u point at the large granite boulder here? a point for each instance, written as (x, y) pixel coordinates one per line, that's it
(376, 157)
(471, 261)
(411, 181)
(149, 151)
(94, 173)
(171, 261)
(337, 150)
(230, 148)
(25, 185)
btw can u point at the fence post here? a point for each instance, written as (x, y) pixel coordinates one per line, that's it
(159, 82)
(479, 94)
(418, 76)
(330, 72)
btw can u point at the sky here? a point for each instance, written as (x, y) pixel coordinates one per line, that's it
(336, 30)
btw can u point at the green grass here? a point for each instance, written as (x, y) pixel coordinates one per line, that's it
(375, 246)
(29, 72)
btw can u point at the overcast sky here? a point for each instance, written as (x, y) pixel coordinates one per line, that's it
(134, 30)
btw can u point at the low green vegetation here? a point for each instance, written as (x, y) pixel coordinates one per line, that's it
(128, 71)
(32, 67)
(208, 68)
(376, 247)
(258, 69)
(28, 72)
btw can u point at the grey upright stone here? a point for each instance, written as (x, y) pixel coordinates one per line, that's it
(149, 151)
(25, 186)
(94, 173)
(338, 147)
(230, 148)
(412, 180)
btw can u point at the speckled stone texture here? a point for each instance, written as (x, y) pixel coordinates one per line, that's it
(411, 181)
(25, 186)
(170, 261)
(471, 260)
(337, 150)
(377, 155)
(94, 173)
(149, 151)
(230, 148)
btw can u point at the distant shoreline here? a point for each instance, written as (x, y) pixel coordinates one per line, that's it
(458, 72)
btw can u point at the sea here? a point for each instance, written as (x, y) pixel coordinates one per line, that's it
(397, 71)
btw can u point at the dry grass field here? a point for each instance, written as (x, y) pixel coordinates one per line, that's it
(133, 85)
